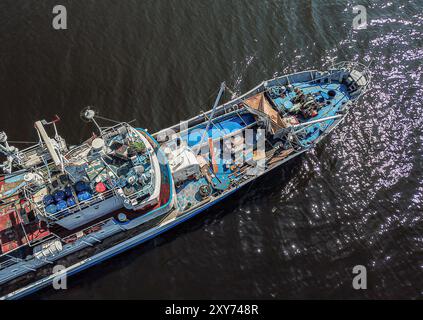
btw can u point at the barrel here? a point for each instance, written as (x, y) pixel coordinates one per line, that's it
(59, 195)
(51, 209)
(48, 200)
(61, 205)
(68, 192)
(81, 186)
(71, 201)
(84, 195)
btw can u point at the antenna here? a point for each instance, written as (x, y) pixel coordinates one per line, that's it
(3, 137)
(88, 114)
(11, 152)
(4, 146)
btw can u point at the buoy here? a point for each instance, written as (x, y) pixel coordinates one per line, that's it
(100, 187)
(122, 217)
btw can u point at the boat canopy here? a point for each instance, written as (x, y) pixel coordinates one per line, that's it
(260, 103)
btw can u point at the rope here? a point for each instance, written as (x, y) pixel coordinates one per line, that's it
(111, 120)
(23, 142)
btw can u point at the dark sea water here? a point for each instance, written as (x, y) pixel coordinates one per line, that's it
(357, 199)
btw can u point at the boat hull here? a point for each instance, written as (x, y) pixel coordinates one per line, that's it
(130, 243)
(138, 230)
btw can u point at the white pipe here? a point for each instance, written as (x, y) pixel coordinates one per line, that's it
(317, 121)
(216, 103)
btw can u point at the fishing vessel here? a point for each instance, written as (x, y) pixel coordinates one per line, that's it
(76, 206)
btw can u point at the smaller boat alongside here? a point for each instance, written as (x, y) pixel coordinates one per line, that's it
(76, 206)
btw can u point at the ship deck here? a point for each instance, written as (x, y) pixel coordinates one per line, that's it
(332, 106)
(188, 195)
(17, 229)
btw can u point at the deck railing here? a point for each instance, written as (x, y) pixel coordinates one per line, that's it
(10, 262)
(79, 205)
(75, 237)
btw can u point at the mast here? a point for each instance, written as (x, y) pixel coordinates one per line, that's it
(52, 145)
(88, 115)
(47, 141)
(216, 103)
(11, 152)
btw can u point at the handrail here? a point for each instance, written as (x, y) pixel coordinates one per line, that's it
(80, 205)
(101, 223)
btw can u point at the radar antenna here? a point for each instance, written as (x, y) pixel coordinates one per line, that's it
(89, 114)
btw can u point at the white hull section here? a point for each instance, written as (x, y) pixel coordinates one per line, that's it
(91, 213)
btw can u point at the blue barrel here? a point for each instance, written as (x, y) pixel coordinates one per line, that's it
(71, 201)
(51, 209)
(84, 195)
(59, 195)
(61, 205)
(48, 200)
(81, 186)
(68, 192)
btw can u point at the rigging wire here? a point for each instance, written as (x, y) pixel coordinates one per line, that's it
(111, 120)
(23, 142)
